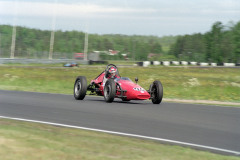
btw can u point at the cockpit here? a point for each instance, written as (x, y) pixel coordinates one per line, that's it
(123, 78)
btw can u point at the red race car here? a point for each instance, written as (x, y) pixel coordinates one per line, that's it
(111, 85)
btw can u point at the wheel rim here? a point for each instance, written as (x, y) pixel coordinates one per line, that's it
(107, 90)
(77, 88)
(154, 91)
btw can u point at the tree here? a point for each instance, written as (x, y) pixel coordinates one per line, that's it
(236, 42)
(220, 44)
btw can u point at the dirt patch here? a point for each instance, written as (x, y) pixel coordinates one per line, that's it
(5, 141)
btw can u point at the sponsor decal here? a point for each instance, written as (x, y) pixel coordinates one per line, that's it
(139, 89)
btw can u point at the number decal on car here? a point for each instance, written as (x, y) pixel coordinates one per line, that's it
(139, 89)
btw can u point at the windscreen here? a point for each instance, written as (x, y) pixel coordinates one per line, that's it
(123, 78)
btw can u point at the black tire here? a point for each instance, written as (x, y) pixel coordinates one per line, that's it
(156, 92)
(80, 88)
(109, 91)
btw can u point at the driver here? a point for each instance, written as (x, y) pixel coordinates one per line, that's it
(112, 72)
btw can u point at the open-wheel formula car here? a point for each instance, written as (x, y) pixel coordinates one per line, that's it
(111, 85)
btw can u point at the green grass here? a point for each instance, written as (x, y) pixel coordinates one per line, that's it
(32, 141)
(219, 84)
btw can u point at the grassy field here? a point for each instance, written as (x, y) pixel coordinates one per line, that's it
(220, 84)
(32, 141)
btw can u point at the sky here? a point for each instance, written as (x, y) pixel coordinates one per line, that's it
(129, 17)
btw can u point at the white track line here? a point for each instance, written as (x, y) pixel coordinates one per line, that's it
(128, 134)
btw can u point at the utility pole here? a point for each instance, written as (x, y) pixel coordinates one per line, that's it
(12, 54)
(52, 32)
(85, 46)
(51, 45)
(13, 42)
(0, 46)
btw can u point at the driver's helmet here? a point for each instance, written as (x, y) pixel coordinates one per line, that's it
(112, 71)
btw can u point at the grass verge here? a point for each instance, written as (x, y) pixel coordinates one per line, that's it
(32, 141)
(216, 84)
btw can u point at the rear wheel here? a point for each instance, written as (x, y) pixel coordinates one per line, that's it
(156, 92)
(109, 90)
(80, 88)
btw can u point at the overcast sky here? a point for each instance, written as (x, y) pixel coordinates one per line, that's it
(140, 17)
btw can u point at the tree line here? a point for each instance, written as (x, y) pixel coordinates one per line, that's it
(34, 43)
(220, 44)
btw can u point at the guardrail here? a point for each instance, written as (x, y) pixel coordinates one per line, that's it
(40, 61)
(143, 63)
(47, 61)
(185, 63)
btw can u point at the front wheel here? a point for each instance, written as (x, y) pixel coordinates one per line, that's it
(80, 88)
(109, 90)
(156, 92)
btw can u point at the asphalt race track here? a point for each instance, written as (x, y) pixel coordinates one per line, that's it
(209, 126)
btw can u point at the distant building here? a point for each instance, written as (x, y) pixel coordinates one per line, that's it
(113, 52)
(125, 56)
(151, 55)
(94, 56)
(78, 55)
